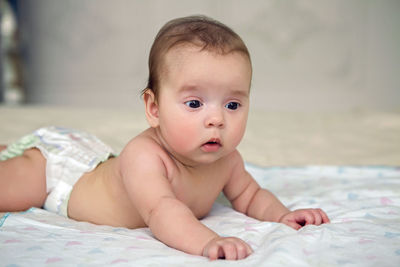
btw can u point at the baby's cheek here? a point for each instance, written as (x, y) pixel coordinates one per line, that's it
(183, 138)
(238, 134)
(183, 134)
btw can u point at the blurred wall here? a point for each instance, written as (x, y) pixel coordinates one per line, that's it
(307, 55)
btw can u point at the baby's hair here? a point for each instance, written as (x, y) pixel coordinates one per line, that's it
(200, 31)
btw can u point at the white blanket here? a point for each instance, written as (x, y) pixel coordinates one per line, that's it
(363, 204)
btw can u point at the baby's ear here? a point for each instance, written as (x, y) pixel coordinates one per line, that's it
(151, 108)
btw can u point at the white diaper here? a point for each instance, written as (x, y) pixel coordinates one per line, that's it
(69, 154)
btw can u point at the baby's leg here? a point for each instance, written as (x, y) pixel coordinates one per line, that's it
(23, 181)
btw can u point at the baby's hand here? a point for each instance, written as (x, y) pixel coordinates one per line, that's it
(298, 218)
(230, 248)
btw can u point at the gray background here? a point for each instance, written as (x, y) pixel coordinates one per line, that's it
(312, 55)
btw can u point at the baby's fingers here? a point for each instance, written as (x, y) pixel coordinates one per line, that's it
(230, 251)
(236, 250)
(324, 217)
(293, 224)
(227, 248)
(306, 217)
(214, 252)
(312, 216)
(317, 217)
(243, 250)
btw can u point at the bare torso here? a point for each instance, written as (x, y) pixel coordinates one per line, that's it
(101, 197)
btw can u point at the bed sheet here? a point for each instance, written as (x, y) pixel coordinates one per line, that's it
(363, 204)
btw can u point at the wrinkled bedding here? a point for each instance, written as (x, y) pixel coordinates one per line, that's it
(363, 204)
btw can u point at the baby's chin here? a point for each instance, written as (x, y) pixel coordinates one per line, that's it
(211, 158)
(199, 160)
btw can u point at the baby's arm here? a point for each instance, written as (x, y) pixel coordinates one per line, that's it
(169, 219)
(248, 197)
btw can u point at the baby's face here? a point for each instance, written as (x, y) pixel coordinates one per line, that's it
(203, 103)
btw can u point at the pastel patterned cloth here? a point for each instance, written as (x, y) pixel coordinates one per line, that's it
(363, 204)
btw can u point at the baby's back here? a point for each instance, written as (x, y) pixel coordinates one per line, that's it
(100, 197)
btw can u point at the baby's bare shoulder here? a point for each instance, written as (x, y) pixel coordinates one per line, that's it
(142, 147)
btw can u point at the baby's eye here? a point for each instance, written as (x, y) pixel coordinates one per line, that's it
(232, 105)
(193, 103)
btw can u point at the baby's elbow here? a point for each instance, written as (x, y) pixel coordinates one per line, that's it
(239, 206)
(244, 202)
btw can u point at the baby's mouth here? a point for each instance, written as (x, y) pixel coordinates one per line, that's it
(212, 145)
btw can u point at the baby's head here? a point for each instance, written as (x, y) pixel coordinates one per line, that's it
(199, 31)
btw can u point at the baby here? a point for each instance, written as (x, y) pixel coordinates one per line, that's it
(167, 177)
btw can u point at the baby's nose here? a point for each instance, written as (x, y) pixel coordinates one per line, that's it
(215, 119)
